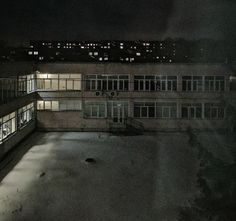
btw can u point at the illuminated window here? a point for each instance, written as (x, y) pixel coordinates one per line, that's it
(55, 105)
(47, 105)
(61, 105)
(25, 115)
(40, 105)
(59, 81)
(7, 125)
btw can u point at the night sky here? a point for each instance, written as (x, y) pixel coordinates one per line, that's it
(23, 20)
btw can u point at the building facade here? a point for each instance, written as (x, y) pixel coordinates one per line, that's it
(112, 97)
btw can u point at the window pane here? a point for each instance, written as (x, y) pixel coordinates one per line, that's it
(62, 84)
(144, 111)
(40, 105)
(47, 105)
(77, 85)
(55, 105)
(166, 112)
(151, 112)
(55, 84)
(136, 111)
(69, 85)
(198, 112)
(184, 112)
(47, 84)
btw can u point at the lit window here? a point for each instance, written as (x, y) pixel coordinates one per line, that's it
(30, 53)
(138, 54)
(36, 52)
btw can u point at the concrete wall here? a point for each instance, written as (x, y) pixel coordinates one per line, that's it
(147, 68)
(74, 121)
(69, 121)
(15, 138)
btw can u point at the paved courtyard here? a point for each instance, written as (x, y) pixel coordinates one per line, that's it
(134, 178)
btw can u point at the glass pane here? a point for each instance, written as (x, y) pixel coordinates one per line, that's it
(166, 112)
(184, 112)
(173, 113)
(214, 112)
(55, 84)
(135, 85)
(198, 112)
(136, 112)
(159, 112)
(40, 105)
(163, 85)
(69, 85)
(62, 84)
(94, 111)
(221, 113)
(151, 112)
(126, 86)
(47, 84)
(144, 111)
(55, 105)
(110, 85)
(192, 112)
(63, 105)
(47, 105)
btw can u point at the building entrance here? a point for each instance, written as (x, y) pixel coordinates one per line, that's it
(118, 112)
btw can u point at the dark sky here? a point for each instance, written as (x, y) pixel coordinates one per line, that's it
(22, 20)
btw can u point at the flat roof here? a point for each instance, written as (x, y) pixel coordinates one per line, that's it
(21, 68)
